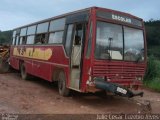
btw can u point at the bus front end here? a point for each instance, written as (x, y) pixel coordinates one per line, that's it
(119, 54)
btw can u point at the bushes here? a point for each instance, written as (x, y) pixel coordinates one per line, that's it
(154, 84)
(152, 77)
(152, 69)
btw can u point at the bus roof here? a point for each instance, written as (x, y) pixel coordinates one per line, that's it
(80, 11)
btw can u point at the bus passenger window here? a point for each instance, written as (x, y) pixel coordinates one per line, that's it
(69, 39)
(13, 41)
(44, 38)
(22, 40)
(41, 39)
(30, 39)
(17, 40)
(14, 37)
(78, 34)
(56, 37)
(89, 43)
(77, 40)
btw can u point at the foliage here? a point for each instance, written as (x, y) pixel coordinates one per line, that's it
(152, 77)
(154, 84)
(154, 51)
(153, 69)
(153, 37)
(153, 32)
(5, 37)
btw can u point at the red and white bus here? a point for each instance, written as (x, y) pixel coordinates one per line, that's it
(87, 51)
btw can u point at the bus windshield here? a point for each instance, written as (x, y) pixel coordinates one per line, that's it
(117, 42)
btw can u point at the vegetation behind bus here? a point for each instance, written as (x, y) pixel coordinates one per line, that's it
(152, 77)
(5, 37)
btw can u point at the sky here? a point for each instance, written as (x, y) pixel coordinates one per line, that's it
(15, 13)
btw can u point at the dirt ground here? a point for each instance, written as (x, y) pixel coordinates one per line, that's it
(37, 96)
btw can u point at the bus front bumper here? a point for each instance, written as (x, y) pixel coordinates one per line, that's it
(116, 89)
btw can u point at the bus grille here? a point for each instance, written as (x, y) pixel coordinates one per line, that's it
(118, 71)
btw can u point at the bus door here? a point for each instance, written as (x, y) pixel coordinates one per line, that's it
(76, 54)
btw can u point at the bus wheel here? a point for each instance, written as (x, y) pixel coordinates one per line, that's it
(63, 90)
(24, 73)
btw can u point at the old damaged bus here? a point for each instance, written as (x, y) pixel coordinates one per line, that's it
(90, 50)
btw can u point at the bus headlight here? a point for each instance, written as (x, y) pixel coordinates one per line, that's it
(139, 78)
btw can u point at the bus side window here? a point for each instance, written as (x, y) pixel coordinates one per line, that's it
(17, 37)
(41, 39)
(22, 40)
(77, 40)
(89, 43)
(13, 40)
(30, 39)
(17, 40)
(38, 39)
(44, 38)
(69, 39)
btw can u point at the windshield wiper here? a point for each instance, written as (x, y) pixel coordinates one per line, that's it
(109, 47)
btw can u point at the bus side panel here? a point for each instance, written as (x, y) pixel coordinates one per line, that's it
(41, 61)
(14, 61)
(47, 60)
(28, 65)
(41, 69)
(59, 61)
(40, 65)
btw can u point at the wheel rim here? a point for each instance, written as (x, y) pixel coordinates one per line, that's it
(60, 84)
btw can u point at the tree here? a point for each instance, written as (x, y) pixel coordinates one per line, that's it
(5, 37)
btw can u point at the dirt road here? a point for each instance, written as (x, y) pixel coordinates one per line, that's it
(37, 96)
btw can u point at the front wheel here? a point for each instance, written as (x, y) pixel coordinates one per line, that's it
(63, 90)
(24, 73)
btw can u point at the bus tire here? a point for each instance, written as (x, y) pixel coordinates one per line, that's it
(24, 74)
(63, 90)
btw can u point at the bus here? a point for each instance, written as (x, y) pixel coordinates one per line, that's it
(89, 50)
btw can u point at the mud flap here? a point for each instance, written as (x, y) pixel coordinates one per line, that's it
(116, 89)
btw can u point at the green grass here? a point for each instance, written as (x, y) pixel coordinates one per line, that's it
(153, 84)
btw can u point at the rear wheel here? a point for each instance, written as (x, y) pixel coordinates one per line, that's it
(63, 90)
(24, 73)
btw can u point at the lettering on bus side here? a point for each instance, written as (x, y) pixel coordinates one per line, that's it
(38, 53)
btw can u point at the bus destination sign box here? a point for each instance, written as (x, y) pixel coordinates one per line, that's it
(119, 17)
